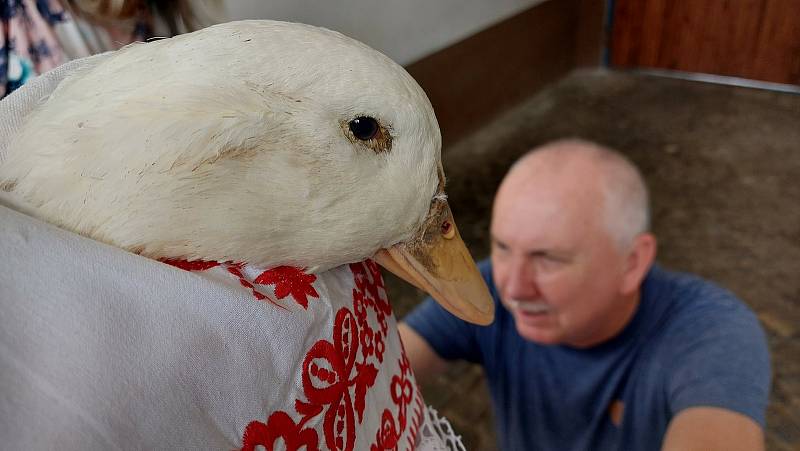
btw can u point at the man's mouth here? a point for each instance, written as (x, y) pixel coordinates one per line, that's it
(529, 307)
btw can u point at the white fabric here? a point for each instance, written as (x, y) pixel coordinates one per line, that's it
(104, 349)
(436, 434)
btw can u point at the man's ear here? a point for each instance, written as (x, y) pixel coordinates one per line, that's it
(639, 260)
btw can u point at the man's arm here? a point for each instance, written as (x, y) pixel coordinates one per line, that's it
(424, 360)
(712, 429)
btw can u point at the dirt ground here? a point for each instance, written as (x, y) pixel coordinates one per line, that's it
(723, 167)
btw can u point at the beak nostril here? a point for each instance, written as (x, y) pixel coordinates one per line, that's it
(448, 231)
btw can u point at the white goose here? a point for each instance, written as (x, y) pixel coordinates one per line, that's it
(260, 142)
(200, 146)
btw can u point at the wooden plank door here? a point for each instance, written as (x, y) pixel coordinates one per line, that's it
(755, 39)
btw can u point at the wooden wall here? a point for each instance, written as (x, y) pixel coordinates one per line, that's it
(756, 39)
(474, 80)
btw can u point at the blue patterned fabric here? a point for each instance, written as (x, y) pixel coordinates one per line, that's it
(28, 46)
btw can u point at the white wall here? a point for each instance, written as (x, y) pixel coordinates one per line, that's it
(405, 30)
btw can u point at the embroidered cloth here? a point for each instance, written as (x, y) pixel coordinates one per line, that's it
(104, 349)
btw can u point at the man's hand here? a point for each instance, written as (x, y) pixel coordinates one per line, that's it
(711, 429)
(424, 360)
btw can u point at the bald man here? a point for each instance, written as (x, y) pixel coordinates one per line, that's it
(593, 346)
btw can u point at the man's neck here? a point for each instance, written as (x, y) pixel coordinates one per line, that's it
(629, 305)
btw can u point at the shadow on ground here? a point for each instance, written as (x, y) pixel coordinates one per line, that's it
(723, 167)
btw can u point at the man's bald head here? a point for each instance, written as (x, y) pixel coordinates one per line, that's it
(596, 177)
(568, 252)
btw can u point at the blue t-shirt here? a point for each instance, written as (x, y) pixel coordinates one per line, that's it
(690, 343)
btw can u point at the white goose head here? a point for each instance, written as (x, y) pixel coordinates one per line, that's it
(263, 142)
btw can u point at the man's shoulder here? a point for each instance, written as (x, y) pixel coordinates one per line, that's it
(708, 346)
(693, 314)
(690, 299)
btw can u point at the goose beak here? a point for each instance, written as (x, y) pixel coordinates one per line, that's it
(436, 260)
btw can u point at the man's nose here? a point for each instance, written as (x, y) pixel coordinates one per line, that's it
(521, 281)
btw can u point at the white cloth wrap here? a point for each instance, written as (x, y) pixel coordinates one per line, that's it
(104, 349)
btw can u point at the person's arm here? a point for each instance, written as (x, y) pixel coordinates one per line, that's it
(432, 336)
(718, 376)
(424, 360)
(712, 429)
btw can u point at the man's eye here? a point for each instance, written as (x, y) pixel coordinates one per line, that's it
(499, 246)
(549, 262)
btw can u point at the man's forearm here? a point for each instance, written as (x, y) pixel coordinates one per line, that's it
(424, 360)
(712, 429)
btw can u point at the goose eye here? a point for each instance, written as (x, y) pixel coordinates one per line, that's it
(364, 128)
(367, 132)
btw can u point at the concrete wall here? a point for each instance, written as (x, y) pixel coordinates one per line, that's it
(405, 30)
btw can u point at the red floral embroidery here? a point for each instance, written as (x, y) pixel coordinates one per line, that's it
(330, 370)
(195, 265)
(402, 391)
(419, 407)
(233, 268)
(236, 270)
(337, 375)
(388, 435)
(370, 292)
(279, 425)
(289, 280)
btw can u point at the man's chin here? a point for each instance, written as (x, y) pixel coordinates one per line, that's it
(539, 334)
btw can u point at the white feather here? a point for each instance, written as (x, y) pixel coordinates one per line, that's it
(227, 144)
